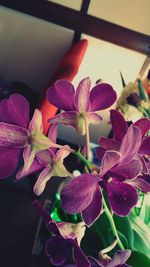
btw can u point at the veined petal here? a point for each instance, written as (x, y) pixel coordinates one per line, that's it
(93, 118)
(141, 184)
(9, 158)
(122, 197)
(82, 95)
(102, 96)
(28, 156)
(57, 249)
(93, 211)
(15, 110)
(62, 153)
(61, 95)
(109, 144)
(131, 143)
(35, 124)
(119, 124)
(13, 136)
(144, 164)
(52, 133)
(127, 171)
(43, 178)
(144, 125)
(119, 258)
(109, 160)
(45, 157)
(77, 194)
(145, 147)
(68, 118)
(35, 167)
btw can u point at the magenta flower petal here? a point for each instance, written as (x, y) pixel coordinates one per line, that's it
(57, 249)
(144, 164)
(43, 178)
(79, 257)
(93, 211)
(13, 136)
(141, 183)
(109, 144)
(35, 167)
(109, 160)
(52, 133)
(131, 143)
(45, 157)
(100, 152)
(61, 95)
(62, 153)
(68, 118)
(94, 118)
(119, 124)
(122, 197)
(127, 171)
(102, 96)
(143, 124)
(78, 194)
(15, 110)
(9, 158)
(119, 258)
(82, 95)
(145, 147)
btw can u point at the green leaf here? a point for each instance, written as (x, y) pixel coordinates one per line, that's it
(122, 80)
(138, 259)
(142, 91)
(141, 235)
(123, 226)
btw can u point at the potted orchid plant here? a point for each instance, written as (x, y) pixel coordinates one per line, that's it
(108, 200)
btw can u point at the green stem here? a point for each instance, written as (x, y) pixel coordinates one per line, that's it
(87, 137)
(81, 157)
(112, 223)
(143, 196)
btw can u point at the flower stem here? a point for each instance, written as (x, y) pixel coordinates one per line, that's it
(112, 223)
(87, 137)
(82, 158)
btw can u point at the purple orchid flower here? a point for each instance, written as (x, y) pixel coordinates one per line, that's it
(118, 260)
(83, 194)
(18, 135)
(122, 180)
(66, 236)
(80, 106)
(48, 162)
(120, 129)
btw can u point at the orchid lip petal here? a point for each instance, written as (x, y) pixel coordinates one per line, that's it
(122, 197)
(13, 136)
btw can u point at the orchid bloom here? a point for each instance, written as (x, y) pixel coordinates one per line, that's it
(83, 194)
(64, 236)
(118, 260)
(80, 106)
(18, 135)
(120, 126)
(122, 180)
(48, 162)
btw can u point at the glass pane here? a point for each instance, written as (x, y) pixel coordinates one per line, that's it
(74, 4)
(130, 14)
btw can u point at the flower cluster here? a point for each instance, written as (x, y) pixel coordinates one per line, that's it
(111, 188)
